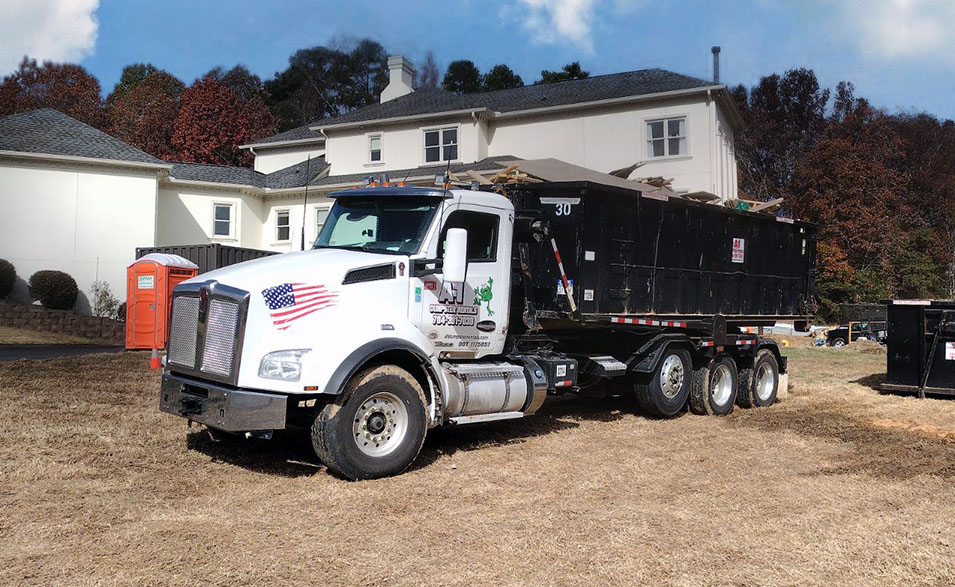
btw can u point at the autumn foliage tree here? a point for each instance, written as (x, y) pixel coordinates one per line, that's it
(213, 122)
(66, 87)
(144, 115)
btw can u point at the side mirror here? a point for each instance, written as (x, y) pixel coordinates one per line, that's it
(455, 255)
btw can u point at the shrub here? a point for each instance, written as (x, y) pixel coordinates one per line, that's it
(8, 276)
(104, 304)
(55, 290)
(121, 312)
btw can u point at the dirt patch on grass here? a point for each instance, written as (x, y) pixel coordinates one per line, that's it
(97, 486)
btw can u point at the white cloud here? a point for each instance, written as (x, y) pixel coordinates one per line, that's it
(560, 21)
(55, 30)
(893, 29)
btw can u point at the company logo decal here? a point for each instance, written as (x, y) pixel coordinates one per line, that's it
(484, 294)
(289, 302)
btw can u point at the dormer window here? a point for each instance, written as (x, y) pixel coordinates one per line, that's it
(440, 144)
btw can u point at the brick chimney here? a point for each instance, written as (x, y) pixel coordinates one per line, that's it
(401, 77)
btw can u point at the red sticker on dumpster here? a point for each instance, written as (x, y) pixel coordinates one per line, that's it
(739, 250)
(950, 351)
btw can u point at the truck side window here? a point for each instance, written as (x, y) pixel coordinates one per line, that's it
(482, 234)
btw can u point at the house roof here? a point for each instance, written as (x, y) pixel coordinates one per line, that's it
(217, 174)
(50, 132)
(295, 135)
(289, 177)
(425, 101)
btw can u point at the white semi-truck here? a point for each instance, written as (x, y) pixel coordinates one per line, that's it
(426, 307)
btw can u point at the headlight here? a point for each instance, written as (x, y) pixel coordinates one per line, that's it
(283, 365)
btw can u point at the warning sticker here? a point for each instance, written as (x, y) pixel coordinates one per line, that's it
(739, 250)
(560, 286)
(950, 351)
(146, 281)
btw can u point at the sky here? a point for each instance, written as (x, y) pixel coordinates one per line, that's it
(900, 54)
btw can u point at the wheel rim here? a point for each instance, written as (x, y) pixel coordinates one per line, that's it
(721, 386)
(671, 376)
(765, 381)
(838, 343)
(380, 425)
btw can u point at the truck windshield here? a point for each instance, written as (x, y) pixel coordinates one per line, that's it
(382, 226)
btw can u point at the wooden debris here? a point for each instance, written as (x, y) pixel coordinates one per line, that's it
(478, 177)
(766, 206)
(624, 172)
(657, 182)
(700, 196)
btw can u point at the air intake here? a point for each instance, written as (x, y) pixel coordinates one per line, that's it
(373, 273)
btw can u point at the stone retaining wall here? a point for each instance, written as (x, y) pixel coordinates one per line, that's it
(102, 330)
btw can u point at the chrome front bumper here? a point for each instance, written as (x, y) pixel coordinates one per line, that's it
(232, 410)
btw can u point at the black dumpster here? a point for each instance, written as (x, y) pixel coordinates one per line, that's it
(921, 346)
(209, 256)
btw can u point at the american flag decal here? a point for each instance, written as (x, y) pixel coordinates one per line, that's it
(291, 301)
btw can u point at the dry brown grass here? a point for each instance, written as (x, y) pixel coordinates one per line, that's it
(98, 487)
(10, 335)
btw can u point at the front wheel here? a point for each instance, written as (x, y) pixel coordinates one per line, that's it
(714, 387)
(837, 342)
(375, 428)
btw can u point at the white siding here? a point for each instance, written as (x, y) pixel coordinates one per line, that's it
(294, 205)
(610, 139)
(85, 222)
(402, 147)
(186, 216)
(269, 160)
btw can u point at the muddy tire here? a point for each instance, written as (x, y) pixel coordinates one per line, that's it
(375, 428)
(664, 392)
(714, 387)
(759, 384)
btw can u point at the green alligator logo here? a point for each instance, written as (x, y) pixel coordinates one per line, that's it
(485, 294)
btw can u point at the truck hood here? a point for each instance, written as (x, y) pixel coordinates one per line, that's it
(325, 265)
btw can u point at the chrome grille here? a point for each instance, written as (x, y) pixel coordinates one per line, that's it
(183, 332)
(218, 354)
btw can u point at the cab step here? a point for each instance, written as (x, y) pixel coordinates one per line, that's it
(481, 418)
(603, 366)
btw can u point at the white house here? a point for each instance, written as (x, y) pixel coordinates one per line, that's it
(75, 199)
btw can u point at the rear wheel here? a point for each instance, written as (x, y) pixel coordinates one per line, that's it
(759, 384)
(714, 387)
(664, 391)
(838, 342)
(375, 428)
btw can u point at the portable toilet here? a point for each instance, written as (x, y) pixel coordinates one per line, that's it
(149, 284)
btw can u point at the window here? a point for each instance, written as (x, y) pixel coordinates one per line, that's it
(380, 225)
(321, 215)
(482, 234)
(222, 220)
(667, 137)
(374, 148)
(282, 225)
(440, 145)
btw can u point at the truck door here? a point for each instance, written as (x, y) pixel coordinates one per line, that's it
(470, 319)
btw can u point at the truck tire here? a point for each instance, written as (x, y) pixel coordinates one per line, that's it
(375, 428)
(714, 387)
(837, 342)
(759, 383)
(664, 392)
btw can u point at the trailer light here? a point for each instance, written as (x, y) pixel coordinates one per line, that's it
(283, 365)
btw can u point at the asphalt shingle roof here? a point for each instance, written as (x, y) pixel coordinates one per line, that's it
(217, 174)
(434, 100)
(294, 175)
(294, 134)
(51, 132)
